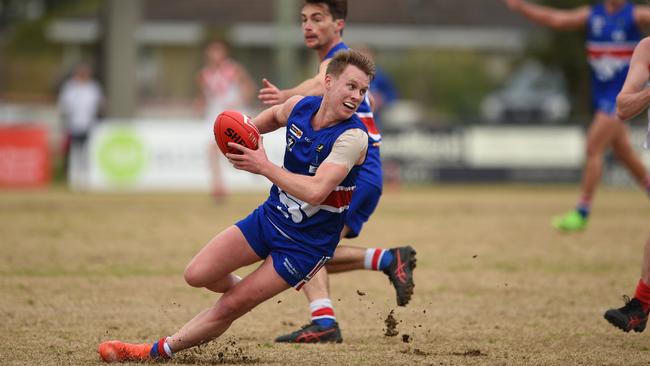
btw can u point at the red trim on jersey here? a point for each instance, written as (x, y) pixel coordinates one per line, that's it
(338, 199)
(370, 124)
(612, 52)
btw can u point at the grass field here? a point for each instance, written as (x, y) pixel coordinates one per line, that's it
(495, 285)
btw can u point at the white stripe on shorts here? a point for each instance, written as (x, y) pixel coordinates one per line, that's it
(311, 274)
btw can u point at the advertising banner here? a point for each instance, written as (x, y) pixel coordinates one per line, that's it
(486, 154)
(166, 155)
(24, 157)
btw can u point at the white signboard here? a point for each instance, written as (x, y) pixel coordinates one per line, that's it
(557, 147)
(166, 155)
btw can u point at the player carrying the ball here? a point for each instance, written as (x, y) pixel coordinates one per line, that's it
(296, 230)
(322, 25)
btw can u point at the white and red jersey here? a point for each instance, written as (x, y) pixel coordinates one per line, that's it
(221, 89)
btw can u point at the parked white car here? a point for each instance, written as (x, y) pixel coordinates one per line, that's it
(533, 94)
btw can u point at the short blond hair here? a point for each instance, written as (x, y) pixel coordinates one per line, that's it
(347, 57)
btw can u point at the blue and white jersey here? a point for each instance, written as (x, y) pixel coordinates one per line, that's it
(371, 171)
(312, 227)
(611, 39)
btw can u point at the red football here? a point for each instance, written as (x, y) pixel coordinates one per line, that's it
(236, 127)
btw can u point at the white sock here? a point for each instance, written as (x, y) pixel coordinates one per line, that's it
(373, 258)
(168, 350)
(322, 309)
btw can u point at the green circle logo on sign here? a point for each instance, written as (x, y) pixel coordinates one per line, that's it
(121, 156)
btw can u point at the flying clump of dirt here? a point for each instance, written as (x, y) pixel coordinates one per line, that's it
(391, 325)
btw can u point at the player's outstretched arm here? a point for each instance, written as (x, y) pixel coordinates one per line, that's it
(271, 94)
(276, 116)
(550, 17)
(634, 96)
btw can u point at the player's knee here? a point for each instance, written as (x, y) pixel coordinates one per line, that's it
(193, 276)
(622, 151)
(594, 151)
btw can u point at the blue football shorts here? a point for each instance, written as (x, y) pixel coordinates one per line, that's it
(294, 262)
(604, 101)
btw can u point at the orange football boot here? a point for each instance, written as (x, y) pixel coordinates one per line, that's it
(116, 351)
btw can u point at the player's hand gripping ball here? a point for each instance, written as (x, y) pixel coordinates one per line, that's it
(233, 126)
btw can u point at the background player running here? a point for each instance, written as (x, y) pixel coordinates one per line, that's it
(612, 32)
(297, 229)
(322, 26)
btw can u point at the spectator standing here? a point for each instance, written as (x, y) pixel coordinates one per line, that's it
(80, 101)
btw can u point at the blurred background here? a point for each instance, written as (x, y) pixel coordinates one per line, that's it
(475, 92)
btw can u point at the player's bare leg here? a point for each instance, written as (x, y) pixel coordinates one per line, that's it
(602, 132)
(259, 286)
(627, 156)
(319, 286)
(211, 267)
(347, 258)
(645, 267)
(600, 136)
(396, 263)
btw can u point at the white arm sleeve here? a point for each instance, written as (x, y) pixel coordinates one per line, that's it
(349, 148)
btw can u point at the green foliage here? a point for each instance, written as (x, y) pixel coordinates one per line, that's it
(30, 40)
(31, 60)
(450, 84)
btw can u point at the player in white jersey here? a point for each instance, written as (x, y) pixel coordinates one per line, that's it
(224, 84)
